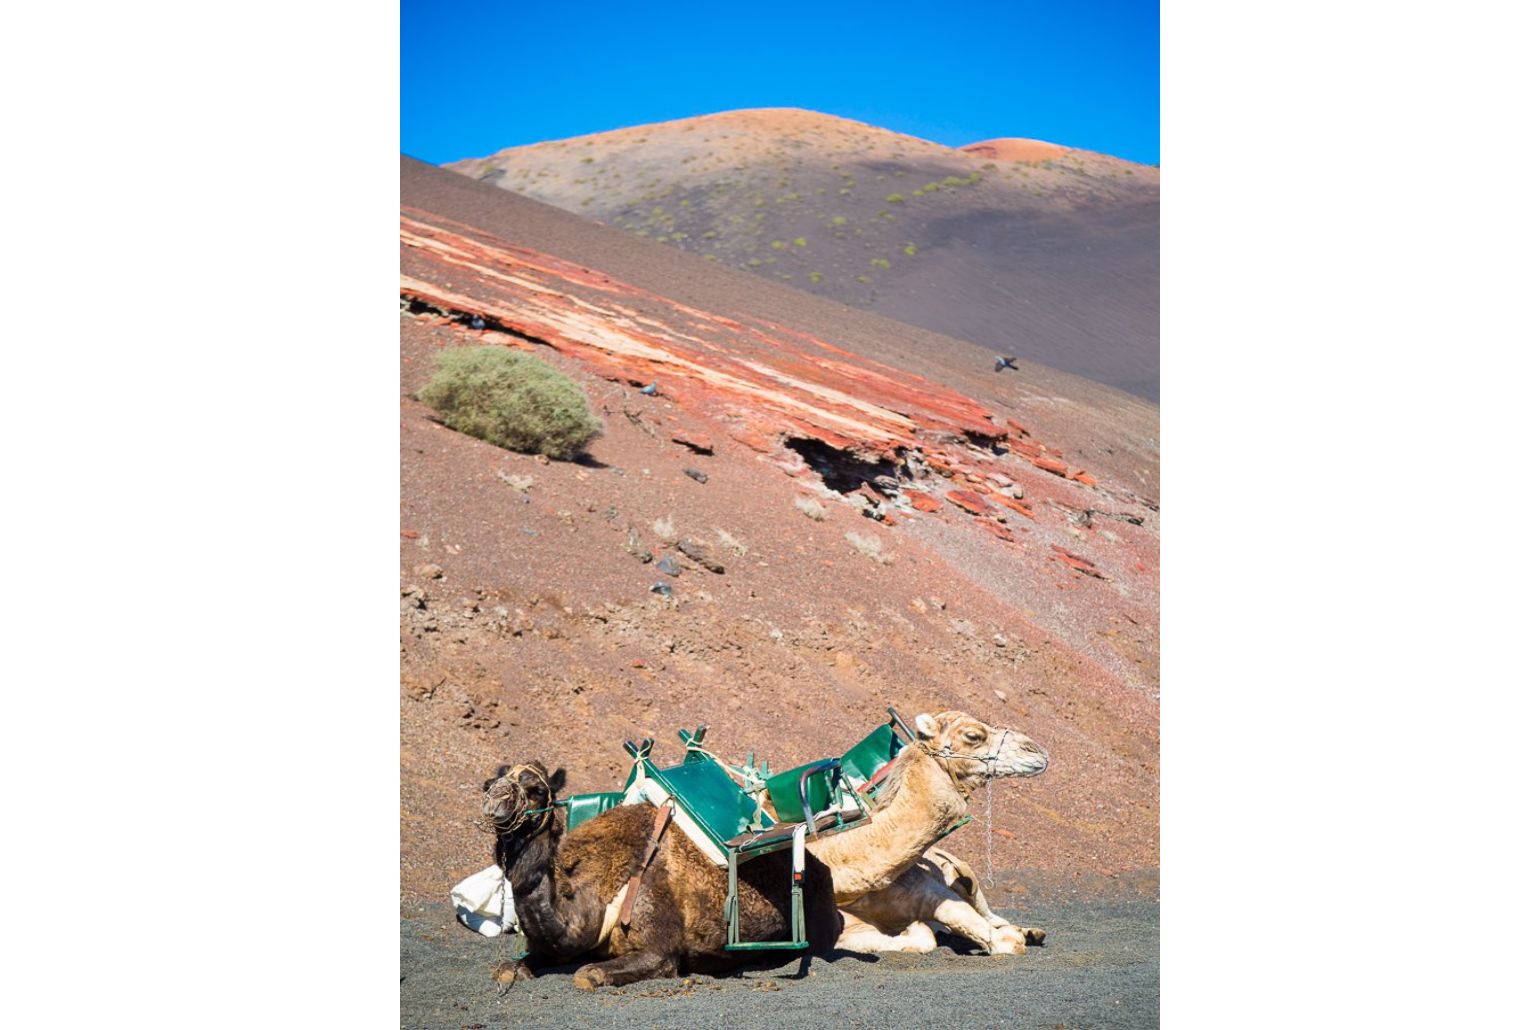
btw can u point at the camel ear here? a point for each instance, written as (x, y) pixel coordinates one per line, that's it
(502, 771)
(926, 726)
(557, 781)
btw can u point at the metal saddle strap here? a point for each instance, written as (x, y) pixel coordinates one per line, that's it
(659, 824)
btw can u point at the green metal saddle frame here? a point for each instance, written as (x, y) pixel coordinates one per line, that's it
(738, 822)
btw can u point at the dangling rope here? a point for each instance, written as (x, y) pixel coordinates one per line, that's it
(989, 832)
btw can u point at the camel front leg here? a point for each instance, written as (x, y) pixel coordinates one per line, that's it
(920, 897)
(957, 874)
(638, 965)
(957, 917)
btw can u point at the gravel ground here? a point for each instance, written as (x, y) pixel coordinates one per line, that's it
(1099, 968)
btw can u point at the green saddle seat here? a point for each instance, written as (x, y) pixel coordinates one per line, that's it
(823, 792)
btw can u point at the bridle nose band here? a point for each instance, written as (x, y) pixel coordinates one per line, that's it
(944, 757)
(515, 820)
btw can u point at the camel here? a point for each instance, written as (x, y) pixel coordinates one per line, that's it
(567, 889)
(893, 887)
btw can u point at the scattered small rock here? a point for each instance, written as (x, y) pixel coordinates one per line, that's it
(668, 566)
(661, 588)
(696, 474)
(1000, 694)
(1000, 641)
(697, 553)
(430, 571)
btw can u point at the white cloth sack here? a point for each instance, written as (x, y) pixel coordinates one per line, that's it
(484, 902)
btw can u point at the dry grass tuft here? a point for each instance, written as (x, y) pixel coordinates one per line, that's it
(812, 509)
(869, 546)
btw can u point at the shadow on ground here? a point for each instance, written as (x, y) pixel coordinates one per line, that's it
(1099, 968)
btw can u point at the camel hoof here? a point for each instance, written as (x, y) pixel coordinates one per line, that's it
(1035, 937)
(508, 972)
(587, 978)
(1008, 940)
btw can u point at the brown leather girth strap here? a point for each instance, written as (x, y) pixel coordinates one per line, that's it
(659, 824)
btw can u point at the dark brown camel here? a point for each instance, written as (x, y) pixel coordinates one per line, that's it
(564, 882)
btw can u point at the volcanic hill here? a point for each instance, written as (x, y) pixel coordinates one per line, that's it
(1021, 246)
(861, 511)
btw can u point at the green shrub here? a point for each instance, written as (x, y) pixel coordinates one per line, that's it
(895, 198)
(511, 400)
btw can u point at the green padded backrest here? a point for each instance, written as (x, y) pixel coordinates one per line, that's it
(875, 750)
(710, 796)
(583, 807)
(821, 793)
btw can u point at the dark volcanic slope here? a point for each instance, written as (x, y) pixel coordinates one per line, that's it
(1025, 248)
(982, 541)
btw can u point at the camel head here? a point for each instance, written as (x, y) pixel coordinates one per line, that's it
(520, 797)
(972, 751)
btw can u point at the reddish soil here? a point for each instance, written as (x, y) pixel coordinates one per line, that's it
(528, 628)
(1015, 149)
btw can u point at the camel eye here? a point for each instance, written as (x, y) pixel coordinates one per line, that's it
(973, 738)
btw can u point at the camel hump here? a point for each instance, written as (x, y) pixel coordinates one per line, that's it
(606, 849)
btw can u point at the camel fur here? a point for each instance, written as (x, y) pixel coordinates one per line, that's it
(893, 887)
(565, 884)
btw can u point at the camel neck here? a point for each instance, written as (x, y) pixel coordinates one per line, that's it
(923, 807)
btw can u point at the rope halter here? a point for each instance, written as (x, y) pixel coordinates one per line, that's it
(945, 756)
(503, 787)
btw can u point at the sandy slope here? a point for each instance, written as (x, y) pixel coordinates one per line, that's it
(1017, 245)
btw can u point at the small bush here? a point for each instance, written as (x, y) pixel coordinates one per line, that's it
(869, 546)
(881, 263)
(895, 198)
(511, 400)
(811, 508)
(664, 528)
(732, 543)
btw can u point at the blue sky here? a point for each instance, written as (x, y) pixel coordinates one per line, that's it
(478, 77)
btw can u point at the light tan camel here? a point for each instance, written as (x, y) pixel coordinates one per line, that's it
(889, 880)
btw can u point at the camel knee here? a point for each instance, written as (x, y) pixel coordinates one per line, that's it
(624, 970)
